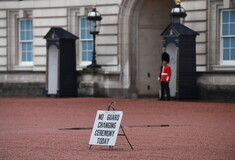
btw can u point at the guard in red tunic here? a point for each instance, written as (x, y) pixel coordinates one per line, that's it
(165, 76)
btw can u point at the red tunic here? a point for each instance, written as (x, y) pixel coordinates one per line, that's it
(165, 73)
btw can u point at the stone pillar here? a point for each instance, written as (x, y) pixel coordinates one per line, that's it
(228, 4)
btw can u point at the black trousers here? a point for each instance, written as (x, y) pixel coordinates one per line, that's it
(165, 89)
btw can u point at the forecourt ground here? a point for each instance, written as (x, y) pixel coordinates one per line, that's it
(59, 128)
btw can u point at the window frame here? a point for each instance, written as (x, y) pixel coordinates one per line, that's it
(81, 62)
(222, 61)
(21, 62)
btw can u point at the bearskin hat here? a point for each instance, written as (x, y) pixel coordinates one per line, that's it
(165, 57)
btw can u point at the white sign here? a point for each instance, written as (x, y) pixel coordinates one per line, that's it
(106, 127)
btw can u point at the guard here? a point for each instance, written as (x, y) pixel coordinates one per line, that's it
(165, 76)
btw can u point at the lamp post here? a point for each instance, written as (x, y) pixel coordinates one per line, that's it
(178, 13)
(94, 18)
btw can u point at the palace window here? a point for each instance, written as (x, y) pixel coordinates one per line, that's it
(86, 42)
(25, 42)
(228, 37)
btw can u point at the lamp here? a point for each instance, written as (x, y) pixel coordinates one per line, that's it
(94, 18)
(178, 13)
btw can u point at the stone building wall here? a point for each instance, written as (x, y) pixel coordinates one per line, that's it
(118, 48)
(47, 14)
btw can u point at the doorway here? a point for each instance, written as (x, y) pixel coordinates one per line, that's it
(53, 57)
(154, 16)
(172, 51)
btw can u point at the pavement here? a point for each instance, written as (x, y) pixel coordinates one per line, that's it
(60, 129)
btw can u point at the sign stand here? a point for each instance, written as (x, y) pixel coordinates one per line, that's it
(113, 106)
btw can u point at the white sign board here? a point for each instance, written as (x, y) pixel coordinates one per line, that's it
(106, 127)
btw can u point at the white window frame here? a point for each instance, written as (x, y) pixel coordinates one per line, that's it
(81, 62)
(24, 63)
(222, 61)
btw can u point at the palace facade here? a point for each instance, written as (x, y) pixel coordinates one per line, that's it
(129, 45)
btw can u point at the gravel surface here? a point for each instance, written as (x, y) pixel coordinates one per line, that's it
(59, 128)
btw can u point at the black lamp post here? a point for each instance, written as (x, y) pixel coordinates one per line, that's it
(178, 13)
(94, 18)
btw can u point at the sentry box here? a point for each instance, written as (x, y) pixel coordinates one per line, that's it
(61, 78)
(179, 42)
